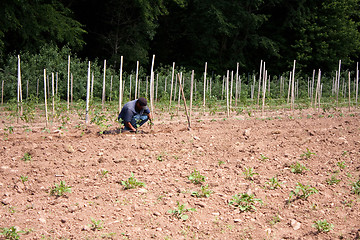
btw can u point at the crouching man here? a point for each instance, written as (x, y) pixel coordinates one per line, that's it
(134, 114)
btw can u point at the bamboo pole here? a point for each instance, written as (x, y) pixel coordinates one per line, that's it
(120, 83)
(152, 86)
(204, 99)
(172, 82)
(176, 81)
(264, 90)
(292, 87)
(317, 92)
(312, 87)
(183, 96)
(48, 86)
(103, 91)
(191, 92)
(68, 85)
(88, 95)
(53, 94)
(227, 95)
(19, 87)
(260, 72)
(289, 88)
(45, 98)
(349, 93)
(338, 85)
(72, 88)
(2, 92)
(178, 105)
(111, 85)
(231, 88)
(136, 80)
(357, 83)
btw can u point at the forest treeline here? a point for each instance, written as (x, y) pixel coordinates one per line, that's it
(189, 32)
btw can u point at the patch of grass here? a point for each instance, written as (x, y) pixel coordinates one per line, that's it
(104, 173)
(179, 212)
(263, 158)
(24, 179)
(95, 224)
(196, 178)
(356, 187)
(306, 191)
(273, 183)
(333, 180)
(341, 165)
(132, 183)
(26, 157)
(297, 168)
(204, 192)
(244, 202)
(60, 189)
(307, 154)
(323, 226)
(10, 233)
(249, 173)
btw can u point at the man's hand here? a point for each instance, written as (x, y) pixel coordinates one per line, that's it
(128, 124)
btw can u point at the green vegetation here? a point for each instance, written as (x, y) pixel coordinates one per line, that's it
(204, 192)
(302, 191)
(196, 178)
(333, 180)
(179, 212)
(104, 172)
(263, 158)
(307, 154)
(323, 226)
(356, 187)
(10, 233)
(26, 157)
(273, 183)
(249, 173)
(341, 165)
(60, 189)
(132, 182)
(297, 168)
(95, 224)
(24, 179)
(244, 202)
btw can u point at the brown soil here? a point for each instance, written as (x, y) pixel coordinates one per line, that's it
(163, 158)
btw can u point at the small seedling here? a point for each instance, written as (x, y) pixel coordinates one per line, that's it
(333, 180)
(10, 129)
(341, 165)
(95, 225)
(60, 189)
(249, 173)
(179, 212)
(297, 168)
(104, 172)
(220, 163)
(356, 187)
(196, 178)
(323, 226)
(26, 157)
(276, 219)
(306, 190)
(132, 183)
(244, 202)
(24, 179)
(10, 233)
(273, 183)
(204, 192)
(263, 158)
(307, 154)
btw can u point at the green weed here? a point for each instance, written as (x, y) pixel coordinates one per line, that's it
(273, 183)
(276, 219)
(179, 212)
(333, 180)
(307, 154)
(204, 192)
(23, 179)
(341, 165)
(26, 157)
(297, 168)
(132, 183)
(249, 173)
(244, 202)
(196, 178)
(220, 163)
(10, 233)
(60, 189)
(306, 191)
(356, 187)
(263, 158)
(104, 173)
(323, 226)
(95, 224)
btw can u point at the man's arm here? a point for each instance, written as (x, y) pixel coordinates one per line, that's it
(128, 124)
(150, 117)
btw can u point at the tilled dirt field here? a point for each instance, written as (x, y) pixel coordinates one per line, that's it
(163, 158)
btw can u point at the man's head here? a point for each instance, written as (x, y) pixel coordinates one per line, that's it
(141, 102)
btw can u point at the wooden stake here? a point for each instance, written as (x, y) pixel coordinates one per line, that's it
(45, 97)
(152, 86)
(338, 85)
(204, 99)
(68, 85)
(227, 95)
(260, 72)
(231, 88)
(120, 84)
(264, 90)
(88, 95)
(103, 91)
(237, 87)
(136, 80)
(53, 94)
(183, 96)
(349, 92)
(172, 82)
(293, 87)
(178, 105)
